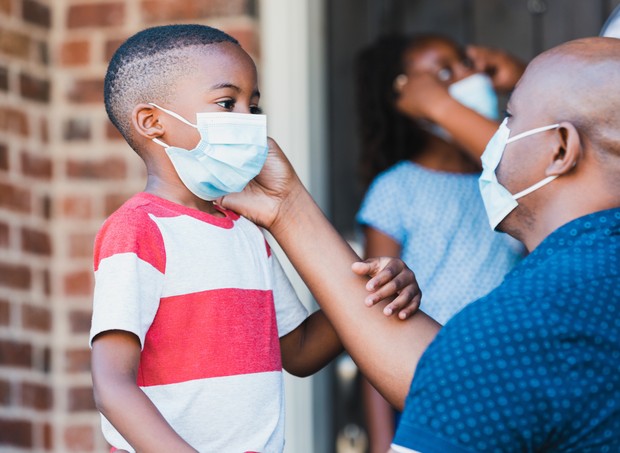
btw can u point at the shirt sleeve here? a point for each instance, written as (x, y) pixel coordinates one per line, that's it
(380, 208)
(129, 265)
(290, 312)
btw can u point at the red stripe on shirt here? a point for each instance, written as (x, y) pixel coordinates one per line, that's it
(131, 231)
(209, 334)
(268, 248)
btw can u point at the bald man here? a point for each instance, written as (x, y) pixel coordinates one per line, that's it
(534, 365)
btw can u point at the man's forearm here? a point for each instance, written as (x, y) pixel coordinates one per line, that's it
(387, 350)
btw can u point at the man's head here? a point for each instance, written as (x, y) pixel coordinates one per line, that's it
(156, 63)
(575, 85)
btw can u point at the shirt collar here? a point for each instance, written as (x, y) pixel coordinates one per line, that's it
(589, 228)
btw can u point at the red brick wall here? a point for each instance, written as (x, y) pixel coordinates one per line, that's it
(63, 169)
(27, 395)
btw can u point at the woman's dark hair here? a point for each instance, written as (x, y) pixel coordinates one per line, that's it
(387, 136)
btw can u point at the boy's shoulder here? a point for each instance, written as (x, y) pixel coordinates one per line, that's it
(131, 229)
(133, 214)
(137, 212)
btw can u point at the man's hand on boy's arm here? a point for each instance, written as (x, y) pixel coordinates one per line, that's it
(115, 358)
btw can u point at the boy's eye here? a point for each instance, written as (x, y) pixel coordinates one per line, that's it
(255, 110)
(228, 104)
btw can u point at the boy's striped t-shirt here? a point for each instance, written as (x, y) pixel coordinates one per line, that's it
(208, 301)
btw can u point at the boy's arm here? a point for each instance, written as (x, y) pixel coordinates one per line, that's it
(314, 343)
(387, 350)
(115, 358)
(310, 346)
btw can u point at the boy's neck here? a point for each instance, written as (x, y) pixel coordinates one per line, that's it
(181, 195)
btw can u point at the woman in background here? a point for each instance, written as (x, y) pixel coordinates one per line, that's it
(427, 109)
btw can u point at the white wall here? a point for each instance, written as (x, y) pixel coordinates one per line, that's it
(292, 95)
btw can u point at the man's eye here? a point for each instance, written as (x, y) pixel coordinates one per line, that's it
(255, 110)
(228, 104)
(507, 114)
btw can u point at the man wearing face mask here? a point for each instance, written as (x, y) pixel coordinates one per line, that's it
(535, 364)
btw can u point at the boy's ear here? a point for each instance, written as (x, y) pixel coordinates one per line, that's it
(145, 120)
(567, 152)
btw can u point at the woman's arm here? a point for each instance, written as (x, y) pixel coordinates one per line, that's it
(423, 96)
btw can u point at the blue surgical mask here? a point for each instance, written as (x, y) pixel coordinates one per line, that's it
(476, 92)
(231, 152)
(498, 201)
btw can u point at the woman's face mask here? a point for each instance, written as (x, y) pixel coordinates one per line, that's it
(231, 152)
(498, 201)
(475, 92)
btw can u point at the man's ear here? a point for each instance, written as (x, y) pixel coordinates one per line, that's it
(145, 121)
(567, 150)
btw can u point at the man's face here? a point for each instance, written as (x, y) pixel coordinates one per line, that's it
(524, 161)
(224, 80)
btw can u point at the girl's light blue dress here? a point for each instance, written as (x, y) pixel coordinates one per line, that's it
(439, 220)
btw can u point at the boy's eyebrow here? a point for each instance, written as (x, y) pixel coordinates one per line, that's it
(234, 87)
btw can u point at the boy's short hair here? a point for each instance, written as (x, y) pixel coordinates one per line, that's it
(144, 67)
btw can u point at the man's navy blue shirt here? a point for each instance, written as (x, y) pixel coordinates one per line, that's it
(535, 365)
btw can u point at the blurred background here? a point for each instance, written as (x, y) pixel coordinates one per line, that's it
(64, 168)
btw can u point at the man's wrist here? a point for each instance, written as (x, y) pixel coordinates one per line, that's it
(291, 207)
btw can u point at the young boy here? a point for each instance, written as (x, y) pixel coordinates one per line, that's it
(193, 317)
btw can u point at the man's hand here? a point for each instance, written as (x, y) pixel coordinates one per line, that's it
(504, 69)
(268, 194)
(390, 277)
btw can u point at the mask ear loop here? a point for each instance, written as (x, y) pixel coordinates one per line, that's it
(160, 142)
(532, 132)
(175, 115)
(536, 186)
(548, 179)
